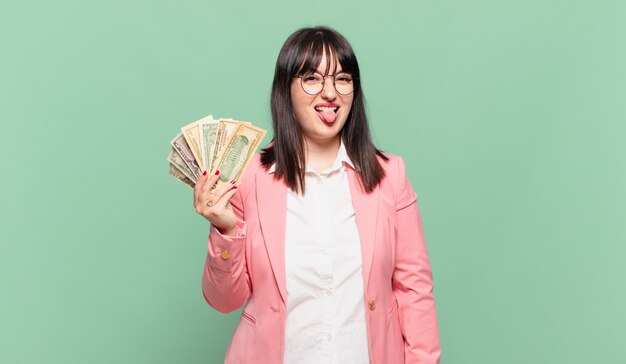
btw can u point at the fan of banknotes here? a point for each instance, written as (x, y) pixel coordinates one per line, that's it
(208, 145)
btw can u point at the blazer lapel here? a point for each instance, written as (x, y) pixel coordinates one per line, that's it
(272, 206)
(366, 214)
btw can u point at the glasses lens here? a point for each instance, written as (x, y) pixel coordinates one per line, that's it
(312, 83)
(344, 84)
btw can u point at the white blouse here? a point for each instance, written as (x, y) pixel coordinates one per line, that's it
(325, 297)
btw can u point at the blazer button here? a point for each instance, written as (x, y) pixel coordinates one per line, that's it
(225, 254)
(372, 304)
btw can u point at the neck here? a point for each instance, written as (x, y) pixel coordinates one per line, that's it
(320, 155)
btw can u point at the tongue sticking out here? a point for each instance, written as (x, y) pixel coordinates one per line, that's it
(327, 116)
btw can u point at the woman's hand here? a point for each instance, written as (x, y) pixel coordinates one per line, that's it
(215, 205)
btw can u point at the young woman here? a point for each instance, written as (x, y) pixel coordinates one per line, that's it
(322, 241)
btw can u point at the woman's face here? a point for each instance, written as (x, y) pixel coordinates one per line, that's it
(321, 116)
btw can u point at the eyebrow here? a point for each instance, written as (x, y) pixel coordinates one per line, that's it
(337, 71)
(331, 74)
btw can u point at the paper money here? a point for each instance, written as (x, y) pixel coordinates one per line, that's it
(208, 132)
(191, 132)
(239, 152)
(180, 176)
(225, 132)
(178, 162)
(183, 150)
(208, 145)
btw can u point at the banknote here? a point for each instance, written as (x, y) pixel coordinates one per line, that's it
(178, 162)
(239, 152)
(185, 153)
(225, 131)
(208, 132)
(180, 176)
(191, 132)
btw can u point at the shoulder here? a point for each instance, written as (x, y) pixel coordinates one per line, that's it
(255, 164)
(394, 167)
(396, 181)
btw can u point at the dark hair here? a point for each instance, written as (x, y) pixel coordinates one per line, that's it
(303, 51)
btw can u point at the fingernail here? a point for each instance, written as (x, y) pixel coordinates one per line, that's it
(204, 173)
(232, 181)
(217, 173)
(234, 187)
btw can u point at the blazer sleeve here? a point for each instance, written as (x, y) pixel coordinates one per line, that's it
(412, 280)
(225, 281)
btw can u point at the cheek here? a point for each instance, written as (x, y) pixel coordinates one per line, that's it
(300, 102)
(347, 106)
(298, 107)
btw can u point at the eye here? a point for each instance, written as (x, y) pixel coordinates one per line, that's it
(312, 78)
(343, 78)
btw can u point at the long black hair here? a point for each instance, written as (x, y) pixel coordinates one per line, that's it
(304, 51)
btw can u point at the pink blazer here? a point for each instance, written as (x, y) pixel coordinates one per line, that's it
(250, 270)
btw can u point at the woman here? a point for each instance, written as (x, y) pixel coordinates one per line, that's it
(322, 241)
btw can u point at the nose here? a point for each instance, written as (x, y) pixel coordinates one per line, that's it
(329, 92)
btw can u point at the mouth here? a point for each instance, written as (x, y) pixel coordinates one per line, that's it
(320, 108)
(327, 113)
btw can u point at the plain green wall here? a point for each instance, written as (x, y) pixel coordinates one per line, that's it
(510, 114)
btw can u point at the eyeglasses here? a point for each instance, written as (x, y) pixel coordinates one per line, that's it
(313, 82)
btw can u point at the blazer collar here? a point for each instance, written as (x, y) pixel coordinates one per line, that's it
(366, 214)
(271, 197)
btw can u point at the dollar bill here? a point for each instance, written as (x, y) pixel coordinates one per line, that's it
(178, 162)
(208, 132)
(180, 176)
(239, 152)
(181, 146)
(191, 132)
(225, 131)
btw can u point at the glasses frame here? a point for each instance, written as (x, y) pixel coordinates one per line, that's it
(324, 82)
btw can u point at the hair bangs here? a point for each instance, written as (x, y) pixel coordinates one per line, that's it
(319, 45)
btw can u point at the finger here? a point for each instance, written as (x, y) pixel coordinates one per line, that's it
(226, 197)
(198, 187)
(210, 182)
(205, 187)
(218, 193)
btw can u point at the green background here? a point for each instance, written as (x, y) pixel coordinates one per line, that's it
(510, 115)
